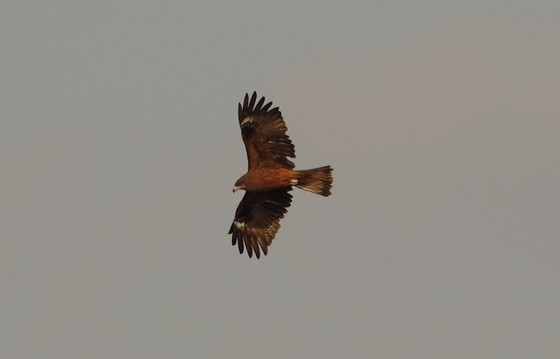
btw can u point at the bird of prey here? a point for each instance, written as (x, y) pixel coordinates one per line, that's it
(270, 177)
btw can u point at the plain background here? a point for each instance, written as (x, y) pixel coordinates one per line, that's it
(119, 146)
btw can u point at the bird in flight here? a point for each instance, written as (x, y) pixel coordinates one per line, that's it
(270, 177)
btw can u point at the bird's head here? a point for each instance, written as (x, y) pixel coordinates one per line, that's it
(238, 185)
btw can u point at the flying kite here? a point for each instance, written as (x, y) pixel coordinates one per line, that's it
(270, 176)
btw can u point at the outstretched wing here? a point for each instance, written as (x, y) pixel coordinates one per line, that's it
(257, 219)
(264, 134)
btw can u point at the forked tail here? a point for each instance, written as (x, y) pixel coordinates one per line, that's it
(316, 180)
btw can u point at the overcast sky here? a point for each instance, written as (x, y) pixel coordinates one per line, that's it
(119, 146)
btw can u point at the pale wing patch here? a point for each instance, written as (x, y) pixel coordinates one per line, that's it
(247, 120)
(239, 225)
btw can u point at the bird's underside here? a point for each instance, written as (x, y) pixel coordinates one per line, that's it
(270, 177)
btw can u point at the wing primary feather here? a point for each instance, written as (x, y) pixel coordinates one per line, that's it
(253, 99)
(249, 246)
(255, 246)
(266, 107)
(240, 243)
(259, 104)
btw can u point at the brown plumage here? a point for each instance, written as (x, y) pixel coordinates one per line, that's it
(270, 176)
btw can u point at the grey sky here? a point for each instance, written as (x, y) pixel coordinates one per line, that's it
(119, 146)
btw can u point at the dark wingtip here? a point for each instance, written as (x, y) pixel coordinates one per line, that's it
(249, 250)
(240, 245)
(253, 100)
(259, 104)
(251, 106)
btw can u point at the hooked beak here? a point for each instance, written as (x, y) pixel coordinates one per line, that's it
(235, 188)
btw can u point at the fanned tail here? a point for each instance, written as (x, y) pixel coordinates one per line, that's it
(316, 180)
